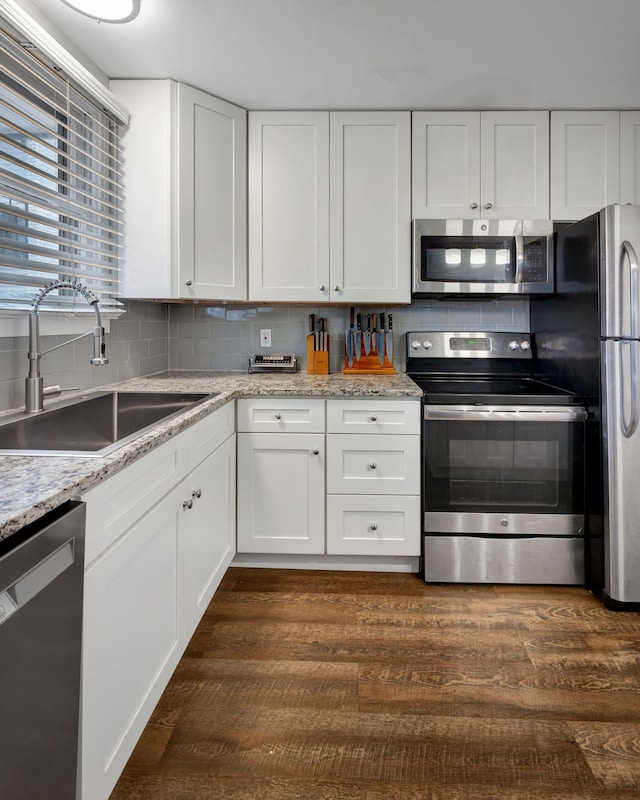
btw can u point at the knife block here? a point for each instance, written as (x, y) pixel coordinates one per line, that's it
(317, 360)
(368, 364)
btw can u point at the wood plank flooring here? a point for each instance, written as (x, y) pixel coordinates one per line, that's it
(368, 686)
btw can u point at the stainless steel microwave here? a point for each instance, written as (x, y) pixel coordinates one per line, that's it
(482, 256)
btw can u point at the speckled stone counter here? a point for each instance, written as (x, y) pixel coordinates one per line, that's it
(30, 486)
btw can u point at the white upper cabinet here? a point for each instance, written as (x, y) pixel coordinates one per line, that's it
(329, 206)
(185, 193)
(370, 206)
(630, 157)
(489, 164)
(585, 162)
(289, 206)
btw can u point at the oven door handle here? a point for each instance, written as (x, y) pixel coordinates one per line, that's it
(506, 413)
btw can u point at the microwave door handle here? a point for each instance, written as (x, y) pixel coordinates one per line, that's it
(629, 428)
(519, 277)
(627, 249)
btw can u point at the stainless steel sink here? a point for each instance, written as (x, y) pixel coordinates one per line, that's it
(93, 425)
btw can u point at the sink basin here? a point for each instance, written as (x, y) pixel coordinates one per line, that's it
(93, 425)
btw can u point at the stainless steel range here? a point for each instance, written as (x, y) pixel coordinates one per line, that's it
(502, 461)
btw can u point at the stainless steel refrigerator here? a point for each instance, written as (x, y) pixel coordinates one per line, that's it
(587, 339)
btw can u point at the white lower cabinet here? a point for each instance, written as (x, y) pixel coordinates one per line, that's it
(363, 499)
(153, 565)
(281, 493)
(373, 477)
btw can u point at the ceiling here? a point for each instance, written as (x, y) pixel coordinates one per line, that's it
(359, 54)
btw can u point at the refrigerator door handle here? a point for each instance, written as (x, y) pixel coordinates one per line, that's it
(629, 428)
(627, 249)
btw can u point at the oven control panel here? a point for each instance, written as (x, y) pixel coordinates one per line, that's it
(464, 344)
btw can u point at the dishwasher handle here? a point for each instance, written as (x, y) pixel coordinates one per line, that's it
(40, 558)
(469, 413)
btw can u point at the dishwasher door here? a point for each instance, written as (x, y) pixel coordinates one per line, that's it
(41, 580)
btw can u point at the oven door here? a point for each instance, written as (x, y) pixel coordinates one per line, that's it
(503, 470)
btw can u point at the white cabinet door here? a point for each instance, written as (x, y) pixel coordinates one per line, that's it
(489, 164)
(514, 160)
(445, 164)
(630, 157)
(289, 206)
(370, 206)
(185, 193)
(208, 535)
(281, 493)
(130, 642)
(585, 162)
(212, 197)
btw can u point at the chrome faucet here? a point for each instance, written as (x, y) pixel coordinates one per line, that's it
(34, 388)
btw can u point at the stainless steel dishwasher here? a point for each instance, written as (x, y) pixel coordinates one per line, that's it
(41, 579)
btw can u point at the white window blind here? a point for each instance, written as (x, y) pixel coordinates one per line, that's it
(60, 187)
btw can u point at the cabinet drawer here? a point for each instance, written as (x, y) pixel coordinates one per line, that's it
(373, 464)
(209, 433)
(366, 525)
(275, 415)
(373, 416)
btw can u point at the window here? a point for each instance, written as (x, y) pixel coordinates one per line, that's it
(60, 187)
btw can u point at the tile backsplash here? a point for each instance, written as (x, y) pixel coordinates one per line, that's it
(152, 337)
(137, 344)
(223, 337)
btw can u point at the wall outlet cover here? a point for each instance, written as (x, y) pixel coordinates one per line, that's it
(265, 337)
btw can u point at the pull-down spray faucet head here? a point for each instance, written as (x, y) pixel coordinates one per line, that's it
(34, 390)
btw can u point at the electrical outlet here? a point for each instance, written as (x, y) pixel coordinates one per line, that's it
(265, 337)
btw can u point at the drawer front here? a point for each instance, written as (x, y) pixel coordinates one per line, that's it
(373, 526)
(373, 416)
(209, 433)
(276, 415)
(373, 464)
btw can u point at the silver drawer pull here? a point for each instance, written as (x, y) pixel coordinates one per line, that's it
(374, 526)
(315, 451)
(197, 493)
(373, 465)
(187, 504)
(278, 415)
(373, 418)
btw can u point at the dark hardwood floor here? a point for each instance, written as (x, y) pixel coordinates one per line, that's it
(367, 686)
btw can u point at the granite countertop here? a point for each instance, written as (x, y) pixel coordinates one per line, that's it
(30, 486)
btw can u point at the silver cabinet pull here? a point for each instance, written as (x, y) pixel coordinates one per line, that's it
(315, 451)
(488, 205)
(474, 205)
(373, 418)
(336, 288)
(323, 288)
(373, 465)
(374, 526)
(188, 283)
(187, 504)
(197, 493)
(278, 415)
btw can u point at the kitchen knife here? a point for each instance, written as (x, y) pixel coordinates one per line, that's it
(358, 336)
(374, 333)
(367, 336)
(349, 337)
(381, 340)
(389, 338)
(312, 329)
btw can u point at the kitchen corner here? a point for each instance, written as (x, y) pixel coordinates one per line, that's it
(58, 479)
